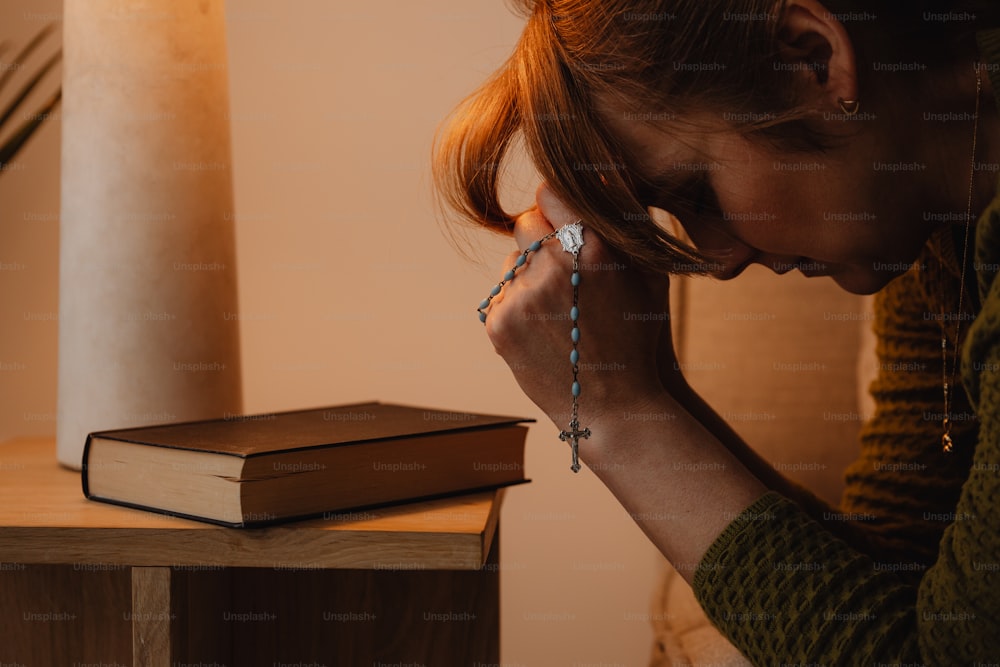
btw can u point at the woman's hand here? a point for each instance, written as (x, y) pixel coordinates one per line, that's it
(624, 324)
(634, 395)
(648, 450)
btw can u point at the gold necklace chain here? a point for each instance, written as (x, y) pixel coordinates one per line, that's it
(946, 442)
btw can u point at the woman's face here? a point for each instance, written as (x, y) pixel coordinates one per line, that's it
(843, 213)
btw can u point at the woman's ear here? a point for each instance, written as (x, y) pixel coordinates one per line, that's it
(814, 44)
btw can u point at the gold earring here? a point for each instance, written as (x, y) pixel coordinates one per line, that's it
(849, 107)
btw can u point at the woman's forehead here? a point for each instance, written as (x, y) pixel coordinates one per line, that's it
(657, 147)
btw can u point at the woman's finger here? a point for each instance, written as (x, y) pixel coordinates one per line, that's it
(554, 209)
(529, 227)
(509, 263)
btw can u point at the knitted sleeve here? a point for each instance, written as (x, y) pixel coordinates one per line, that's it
(785, 591)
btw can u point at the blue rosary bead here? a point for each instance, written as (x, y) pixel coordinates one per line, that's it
(575, 334)
(482, 317)
(484, 304)
(508, 276)
(521, 259)
(496, 290)
(575, 278)
(534, 246)
(574, 313)
(574, 357)
(576, 389)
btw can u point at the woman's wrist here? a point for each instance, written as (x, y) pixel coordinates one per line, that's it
(680, 484)
(652, 419)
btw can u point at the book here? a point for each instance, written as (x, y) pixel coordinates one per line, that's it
(255, 470)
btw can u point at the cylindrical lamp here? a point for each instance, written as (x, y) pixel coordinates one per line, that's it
(148, 331)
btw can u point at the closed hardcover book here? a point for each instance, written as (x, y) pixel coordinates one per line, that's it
(261, 469)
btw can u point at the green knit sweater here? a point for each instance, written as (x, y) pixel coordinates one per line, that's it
(921, 584)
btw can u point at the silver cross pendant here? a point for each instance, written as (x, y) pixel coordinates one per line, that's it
(573, 437)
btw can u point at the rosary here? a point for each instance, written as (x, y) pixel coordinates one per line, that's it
(571, 238)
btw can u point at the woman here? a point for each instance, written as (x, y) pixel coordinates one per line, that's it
(693, 107)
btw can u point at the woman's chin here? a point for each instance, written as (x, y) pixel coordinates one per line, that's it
(863, 282)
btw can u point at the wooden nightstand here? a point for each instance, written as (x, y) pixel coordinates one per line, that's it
(88, 583)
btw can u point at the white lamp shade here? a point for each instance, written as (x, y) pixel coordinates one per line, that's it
(147, 325)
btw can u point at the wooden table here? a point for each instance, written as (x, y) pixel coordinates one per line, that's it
(84, 583)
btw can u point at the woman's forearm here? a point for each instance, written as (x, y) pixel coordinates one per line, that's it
(679, 483)
(754, 462)
(762, 469)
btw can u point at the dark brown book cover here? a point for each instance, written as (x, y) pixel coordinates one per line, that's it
(382, 427)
